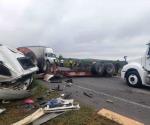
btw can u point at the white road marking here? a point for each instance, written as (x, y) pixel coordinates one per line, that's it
(140, 91)
(115, 97)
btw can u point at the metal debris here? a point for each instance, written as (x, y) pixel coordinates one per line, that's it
(2, 110)
(109, 101)
(90, 95)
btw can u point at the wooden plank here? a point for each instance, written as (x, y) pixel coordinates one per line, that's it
(27, 120)
(118, 118)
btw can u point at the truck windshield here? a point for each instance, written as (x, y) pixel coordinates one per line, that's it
(51, 55)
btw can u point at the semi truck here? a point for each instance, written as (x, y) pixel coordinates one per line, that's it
(137, 72)
(15, 68)
(42, 56)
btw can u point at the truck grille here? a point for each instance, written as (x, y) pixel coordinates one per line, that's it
(25, 62)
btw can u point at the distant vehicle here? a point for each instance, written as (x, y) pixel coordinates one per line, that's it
(15, 67)
(40, 55)
(137, 72)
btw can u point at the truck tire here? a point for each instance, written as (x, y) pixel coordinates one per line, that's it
(98, 69)
(93, 69)
(109, 69)
(133, 79)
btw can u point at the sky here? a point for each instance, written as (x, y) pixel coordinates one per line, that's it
(100, 29)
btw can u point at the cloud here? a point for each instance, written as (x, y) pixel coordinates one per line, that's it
(103, 29)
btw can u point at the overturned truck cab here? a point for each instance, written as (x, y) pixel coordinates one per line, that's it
(16, 70)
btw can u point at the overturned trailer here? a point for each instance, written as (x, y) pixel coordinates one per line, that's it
(16, 70)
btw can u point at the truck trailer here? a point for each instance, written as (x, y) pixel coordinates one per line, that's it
(42, 56)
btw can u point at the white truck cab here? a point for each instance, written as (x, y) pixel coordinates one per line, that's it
(137, 72)
(15, 67)
(49, 55)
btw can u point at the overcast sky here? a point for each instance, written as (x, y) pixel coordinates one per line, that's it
(104, 29)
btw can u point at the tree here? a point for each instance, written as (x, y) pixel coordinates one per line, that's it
(60, 57)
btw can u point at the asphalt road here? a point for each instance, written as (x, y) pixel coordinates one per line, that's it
(112, 94)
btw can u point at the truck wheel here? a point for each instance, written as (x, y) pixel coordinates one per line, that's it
(93, 69)
(100, 69)
(133, 79)
(110, 69)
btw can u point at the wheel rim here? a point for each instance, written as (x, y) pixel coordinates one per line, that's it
(133, 79)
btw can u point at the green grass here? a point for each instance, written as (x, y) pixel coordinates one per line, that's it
(85, 116)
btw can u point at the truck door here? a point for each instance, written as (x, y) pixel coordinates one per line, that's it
(147, 59)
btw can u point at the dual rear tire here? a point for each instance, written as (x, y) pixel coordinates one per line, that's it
(103, 69)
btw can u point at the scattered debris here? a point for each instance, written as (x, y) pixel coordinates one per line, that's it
(47, 77)
(5, 102)
(41, 101)
(54, 108)
(54, 103)
(68, 84)
(63, 108)
(109, 101)
(28, 107)
(66, 95)
(40, 76)
(28, 101)
(57, 88)
(59, 105)
(56, 79)
(53, 78)
(69, 81)
(90, 95)
(118, 118)
(2, 110)
(58, 102)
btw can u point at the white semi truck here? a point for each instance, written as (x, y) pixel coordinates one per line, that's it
(137, 72)
(15, 68)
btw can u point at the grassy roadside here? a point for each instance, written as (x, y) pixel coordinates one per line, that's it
(85, 116)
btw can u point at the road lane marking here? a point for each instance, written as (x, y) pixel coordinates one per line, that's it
(115, 97)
